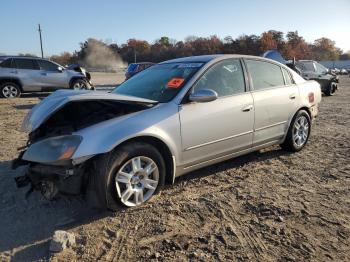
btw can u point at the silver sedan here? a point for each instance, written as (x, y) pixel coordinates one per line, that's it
(173, 118)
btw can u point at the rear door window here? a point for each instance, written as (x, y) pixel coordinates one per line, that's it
(264, 74)
(25, 64)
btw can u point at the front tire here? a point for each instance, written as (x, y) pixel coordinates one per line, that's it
(298, 132)
(330, 89)
(9, 90)
(129, 176)
(80, 84)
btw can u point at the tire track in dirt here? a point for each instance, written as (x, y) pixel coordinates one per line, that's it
(117, 242)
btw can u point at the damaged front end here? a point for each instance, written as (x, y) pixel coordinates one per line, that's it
(54, 137)
(52, 180)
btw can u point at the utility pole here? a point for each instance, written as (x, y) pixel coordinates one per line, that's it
(41, 42)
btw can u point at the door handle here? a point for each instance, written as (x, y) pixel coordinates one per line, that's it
(247, 108)
(44, 74)
(14, 72)
(292, 96)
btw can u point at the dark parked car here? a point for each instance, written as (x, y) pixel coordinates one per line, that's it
(312, 70)
(135, 68)
(309, 70)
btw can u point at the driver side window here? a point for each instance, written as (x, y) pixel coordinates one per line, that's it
(226, 78)
(47, 66)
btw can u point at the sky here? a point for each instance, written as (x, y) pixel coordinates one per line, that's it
(66, 23)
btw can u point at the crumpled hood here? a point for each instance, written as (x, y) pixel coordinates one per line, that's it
(58, 99)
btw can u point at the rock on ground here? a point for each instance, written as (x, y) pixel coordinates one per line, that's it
(61, 240)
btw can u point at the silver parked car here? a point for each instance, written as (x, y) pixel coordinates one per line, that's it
(31, 74)
(168, 120)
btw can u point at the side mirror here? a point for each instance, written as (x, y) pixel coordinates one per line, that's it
(203, 95)
(60, 69)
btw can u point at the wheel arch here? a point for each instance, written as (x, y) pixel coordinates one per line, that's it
(75, 78)
(305, 108)
(12, 79)
(163, 149)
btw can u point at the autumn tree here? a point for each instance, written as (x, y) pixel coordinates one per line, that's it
(324, 49)
(64, 58)
(296, 47)
(267, 42)
(291, 45)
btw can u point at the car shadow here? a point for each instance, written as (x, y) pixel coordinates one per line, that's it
(24, 107)
(28, 224)
(35, 95)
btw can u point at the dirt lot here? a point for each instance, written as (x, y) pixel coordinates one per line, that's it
(107, 79)
(266, 206)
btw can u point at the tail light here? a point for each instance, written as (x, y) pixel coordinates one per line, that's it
(311, 97)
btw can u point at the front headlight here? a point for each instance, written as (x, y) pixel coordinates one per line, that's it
(53, 150)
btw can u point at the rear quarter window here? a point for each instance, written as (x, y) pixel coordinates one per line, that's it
(264, 74)
(288, 79)
(7, 63)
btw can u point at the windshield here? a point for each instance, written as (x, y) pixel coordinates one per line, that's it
(160, 82)
(320, 68)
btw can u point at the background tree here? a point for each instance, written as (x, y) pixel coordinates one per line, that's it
(64, 58)
(292, 45)
(267, 42)
(324, 49)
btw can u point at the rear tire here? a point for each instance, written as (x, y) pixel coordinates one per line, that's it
(298, 132)
(118, 181)
(9, 90)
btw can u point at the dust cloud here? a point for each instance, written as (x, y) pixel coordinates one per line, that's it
(100, 57)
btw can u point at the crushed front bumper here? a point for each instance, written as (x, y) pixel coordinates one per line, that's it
(59, 179)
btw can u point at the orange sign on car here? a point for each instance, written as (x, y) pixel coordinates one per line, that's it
(175, 82)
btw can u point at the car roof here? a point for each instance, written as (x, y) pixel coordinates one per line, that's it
(17, 56)
(208, 58)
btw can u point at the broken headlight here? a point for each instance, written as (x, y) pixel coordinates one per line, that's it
(54, 150)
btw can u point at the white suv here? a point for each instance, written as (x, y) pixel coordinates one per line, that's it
(30, 74)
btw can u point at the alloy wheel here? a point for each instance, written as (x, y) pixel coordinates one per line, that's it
(9, 91)
(79, 86)
(300, 131)
(137, 180)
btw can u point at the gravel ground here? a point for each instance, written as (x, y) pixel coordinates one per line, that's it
(266, 206)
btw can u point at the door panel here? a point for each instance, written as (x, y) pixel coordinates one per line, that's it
(50, 76)
(54, 80)
(273, 110)
(27, 71)
(216, 128)
(274, 101)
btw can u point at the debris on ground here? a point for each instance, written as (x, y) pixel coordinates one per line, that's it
(62, 240)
